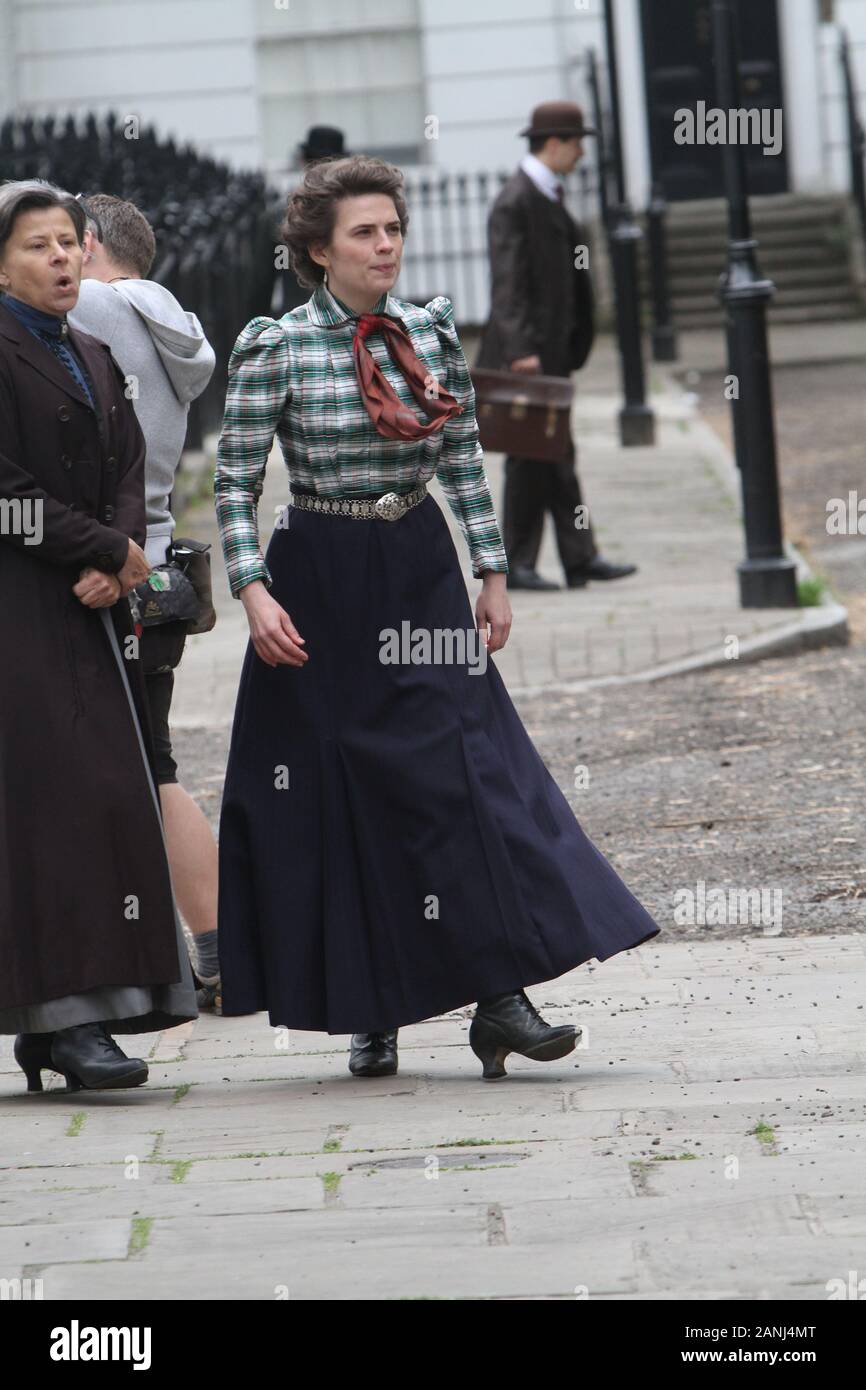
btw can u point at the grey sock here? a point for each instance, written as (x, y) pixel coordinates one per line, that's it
(207, 955)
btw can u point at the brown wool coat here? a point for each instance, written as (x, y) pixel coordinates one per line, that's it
(539, 301)
(79, 831)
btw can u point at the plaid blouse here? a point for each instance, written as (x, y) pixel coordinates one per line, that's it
(295, 377)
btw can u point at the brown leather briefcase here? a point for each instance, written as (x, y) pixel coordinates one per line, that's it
(523, 413)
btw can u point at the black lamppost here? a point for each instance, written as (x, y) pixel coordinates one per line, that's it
(767, 575)
(636, 419)
(664, 334)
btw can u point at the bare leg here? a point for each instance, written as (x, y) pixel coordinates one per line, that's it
(192, 856)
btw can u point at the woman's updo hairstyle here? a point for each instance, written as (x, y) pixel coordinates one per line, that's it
(312, 207)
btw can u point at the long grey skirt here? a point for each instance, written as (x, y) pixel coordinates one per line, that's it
(126, 1008)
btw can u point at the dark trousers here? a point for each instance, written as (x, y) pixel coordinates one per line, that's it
(533, 487)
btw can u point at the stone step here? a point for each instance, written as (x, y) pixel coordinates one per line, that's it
(801, 294)
(812, 227)
(802, 247)
(834, 276)
(778, 313)
(831, 234)
(782, 208)
(831, 277)
(713, 262)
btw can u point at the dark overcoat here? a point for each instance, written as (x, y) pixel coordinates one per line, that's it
(85, 892)
(540, 302)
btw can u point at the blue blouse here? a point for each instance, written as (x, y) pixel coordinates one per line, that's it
(51, 331)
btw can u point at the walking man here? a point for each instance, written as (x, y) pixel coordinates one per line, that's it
(541, 320)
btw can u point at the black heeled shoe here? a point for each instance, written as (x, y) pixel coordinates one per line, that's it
(373, 1054)
(89, 1059)
(511, 1023)
(32, 1052)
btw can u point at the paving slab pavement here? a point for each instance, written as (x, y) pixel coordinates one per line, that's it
(705, 1143)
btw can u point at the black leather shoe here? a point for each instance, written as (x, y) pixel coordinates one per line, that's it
(89, 1058)
(599, 569)
(33, 1055)
(527, 579)
(373, 1054)
(511, 1023)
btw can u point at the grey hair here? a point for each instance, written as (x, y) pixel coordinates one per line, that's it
(22, 195)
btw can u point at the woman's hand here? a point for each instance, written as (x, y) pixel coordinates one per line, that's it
(135, 568)
(492, 607)
(272, 632)
(96, 589)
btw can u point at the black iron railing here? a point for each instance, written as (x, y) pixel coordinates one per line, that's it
(217, 229)
(446, 248)
(856, 133)
(213, 225)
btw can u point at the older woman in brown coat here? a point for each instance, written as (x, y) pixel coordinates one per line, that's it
(90, 942)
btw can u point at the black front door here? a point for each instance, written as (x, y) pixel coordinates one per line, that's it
(678, 58)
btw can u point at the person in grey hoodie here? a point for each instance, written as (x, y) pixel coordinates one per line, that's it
(167, 361)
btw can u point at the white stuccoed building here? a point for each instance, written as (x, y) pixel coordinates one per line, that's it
(441, 86)
(186, 66)
(243, 79)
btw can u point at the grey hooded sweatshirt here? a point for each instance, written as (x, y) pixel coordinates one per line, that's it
(162, 350)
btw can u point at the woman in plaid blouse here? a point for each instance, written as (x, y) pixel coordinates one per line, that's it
(391, 844)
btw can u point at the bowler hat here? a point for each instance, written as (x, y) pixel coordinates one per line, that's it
(323, 142)
(563, 118)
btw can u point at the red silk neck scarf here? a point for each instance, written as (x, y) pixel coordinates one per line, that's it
(388, 413)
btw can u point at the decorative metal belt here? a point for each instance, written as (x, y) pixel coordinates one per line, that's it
(389, 507)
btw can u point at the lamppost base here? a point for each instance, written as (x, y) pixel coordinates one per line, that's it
(768, 583)
(637, 426)
(665, 344)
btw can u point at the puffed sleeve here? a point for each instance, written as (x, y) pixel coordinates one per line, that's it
(258, 388)
(461, 462)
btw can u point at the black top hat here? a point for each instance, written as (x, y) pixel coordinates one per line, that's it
(323, 142)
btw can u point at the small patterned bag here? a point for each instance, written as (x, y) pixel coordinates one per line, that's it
(171, 603)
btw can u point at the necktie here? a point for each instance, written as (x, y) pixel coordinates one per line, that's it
(390, 416)
(560, 193)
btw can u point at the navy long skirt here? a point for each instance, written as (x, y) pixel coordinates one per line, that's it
(391, 844)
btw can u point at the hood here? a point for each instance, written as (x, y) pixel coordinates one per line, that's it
(177, 335)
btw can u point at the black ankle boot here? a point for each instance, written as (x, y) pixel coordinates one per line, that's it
(511, 1023)
(89, 1058)
(373, 1054)
(33, 1055)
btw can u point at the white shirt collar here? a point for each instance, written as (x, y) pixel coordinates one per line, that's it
(545, 180)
